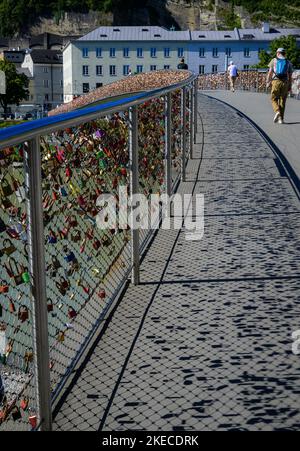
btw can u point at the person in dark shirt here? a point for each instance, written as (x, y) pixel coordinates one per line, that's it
(183, 65)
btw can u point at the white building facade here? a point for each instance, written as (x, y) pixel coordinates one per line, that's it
(107, 54)
(45, 71)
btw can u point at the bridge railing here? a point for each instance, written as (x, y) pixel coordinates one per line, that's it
(60, 272)
(249, 80)
(253, 80)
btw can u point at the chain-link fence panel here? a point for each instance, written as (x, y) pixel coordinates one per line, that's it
(87, 254)
(17, 394)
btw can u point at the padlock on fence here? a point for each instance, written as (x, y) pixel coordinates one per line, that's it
(50, 306)
(16, 414)
(17, 272)
(2, 226)
(8, 248)
(72, 313)
(33, 421)
(5, 188)
(51, 238)
(12, 308)
(28, 358)
(60, 337)
(76, 236)
(69, 255)
(24, 403)
(63, 286)
(102, 294)
(23, 313)
(4, 287)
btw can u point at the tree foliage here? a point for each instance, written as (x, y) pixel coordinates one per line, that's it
(287, 42)
(16, 85)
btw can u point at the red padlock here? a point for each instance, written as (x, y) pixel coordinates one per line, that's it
(102, 294)
(33, 421)
(72, 313)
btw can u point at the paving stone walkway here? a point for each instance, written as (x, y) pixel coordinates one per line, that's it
(204, 343)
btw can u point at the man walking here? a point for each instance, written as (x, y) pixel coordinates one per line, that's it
(183, 65)
(280, 79)
(233, 74)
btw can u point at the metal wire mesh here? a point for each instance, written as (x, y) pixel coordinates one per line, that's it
(249, 80)
(17, 397)
(86, 265)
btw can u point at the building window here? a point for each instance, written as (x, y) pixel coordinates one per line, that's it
(45, 70)
(98, 52)
(167, 52)
(201, 69)
(99, 71)
(153, 52)
(126, 70)
(215, 52)
(180, 53)
(139, 53)
(139, 69)
(153, 67)
(85, 71)
(247, 53)
(112, 71)
(228, 51)
(202, 53)
(214, 68)
(85, 88)
(85, 53)
(167, 67)
(126, 53)
(61, 97)
(99, 85)
(46, 83)
(112, 53)
(46, 97)
(61, 83)
(246, 67)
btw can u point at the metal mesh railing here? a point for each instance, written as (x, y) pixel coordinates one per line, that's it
(17, 396)
(249, 80)
(85, 265)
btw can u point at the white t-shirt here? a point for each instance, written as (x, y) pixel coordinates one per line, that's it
(233, 70)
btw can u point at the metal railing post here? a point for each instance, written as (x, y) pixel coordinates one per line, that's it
(195, 111)
(134, 189)
(36, 253)
(183, 129)
(191, 104)
(168, 143)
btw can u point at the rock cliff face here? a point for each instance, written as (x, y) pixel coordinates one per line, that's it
(181, 14)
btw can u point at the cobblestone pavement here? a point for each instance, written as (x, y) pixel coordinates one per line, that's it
(205, 342)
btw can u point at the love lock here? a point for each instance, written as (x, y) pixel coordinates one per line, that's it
(4, 287)
(63, 286)
(2, 226)
(70, 256)
(16, 413)
(5, 188)
(72, 313)
(8, 248)
(17, 272)
(23, 313)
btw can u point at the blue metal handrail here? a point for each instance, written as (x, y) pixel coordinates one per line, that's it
(11, 136)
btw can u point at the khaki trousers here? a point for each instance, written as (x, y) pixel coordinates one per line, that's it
(232, 82)
(279, 94)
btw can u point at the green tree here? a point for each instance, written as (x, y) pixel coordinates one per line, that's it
(287, 42)
(16, 86)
